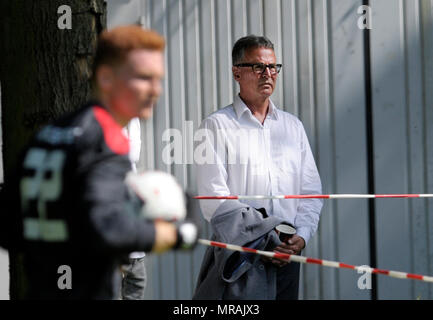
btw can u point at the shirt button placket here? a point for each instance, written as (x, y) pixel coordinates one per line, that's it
(273, 172)
(268, 158)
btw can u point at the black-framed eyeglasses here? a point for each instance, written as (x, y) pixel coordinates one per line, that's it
(259, 68)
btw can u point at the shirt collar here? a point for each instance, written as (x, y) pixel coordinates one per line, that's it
(240, 107)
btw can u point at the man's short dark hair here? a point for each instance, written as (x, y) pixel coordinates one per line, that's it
(249, 42)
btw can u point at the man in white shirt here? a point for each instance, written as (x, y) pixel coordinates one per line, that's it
(258, 149)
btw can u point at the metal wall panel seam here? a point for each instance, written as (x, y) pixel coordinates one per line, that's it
(227, 84)
(414, 79)
(157, 23)
(193, 114)
(147, 155)
(312, 76)
(176, 109)
(286, 50)
(206, 78)
(280, 53)
(390, 143)
(428, 117)
(166, 261)
(217, 56)
(196, 95)
(404, 52)
(329, 112)
(272, 30)
(146, 162)
(160, 25)
(403, 39)
(258, 5)
(331, 90)
(426, 13)
(349, 105)
(295, 55)
(314, 245)
(206, 9)
(176, 63)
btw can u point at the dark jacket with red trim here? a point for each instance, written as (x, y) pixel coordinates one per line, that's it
(78, 220)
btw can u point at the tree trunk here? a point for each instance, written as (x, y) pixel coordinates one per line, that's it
(44, 72)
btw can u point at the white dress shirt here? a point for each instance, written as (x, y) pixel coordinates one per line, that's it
(133, 132)
(240, 156)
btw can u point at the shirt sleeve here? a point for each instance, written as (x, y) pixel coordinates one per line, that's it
(114, 222)
(211, 168)
(308, 213)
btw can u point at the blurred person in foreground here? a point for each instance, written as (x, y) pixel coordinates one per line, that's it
(69, 209)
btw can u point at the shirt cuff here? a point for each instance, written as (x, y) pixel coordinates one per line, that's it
(303, 232)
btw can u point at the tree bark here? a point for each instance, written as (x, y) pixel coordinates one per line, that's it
(44, 73)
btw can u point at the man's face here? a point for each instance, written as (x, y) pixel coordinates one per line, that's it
(136, 84)
(254, 85)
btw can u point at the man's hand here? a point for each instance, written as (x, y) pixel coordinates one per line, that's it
(293, 246)
(180, 235)
(165, 236)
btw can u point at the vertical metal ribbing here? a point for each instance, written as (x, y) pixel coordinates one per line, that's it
(370, 153)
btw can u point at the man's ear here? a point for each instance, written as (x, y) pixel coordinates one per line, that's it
(236, 73)
(104, 78)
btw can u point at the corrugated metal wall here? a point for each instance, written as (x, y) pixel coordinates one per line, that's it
(403, 140)
(324, 82)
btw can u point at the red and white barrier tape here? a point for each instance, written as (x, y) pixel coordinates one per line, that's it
(316, 196)
(326, 263)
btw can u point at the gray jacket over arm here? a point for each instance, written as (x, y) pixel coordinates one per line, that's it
(231, 275)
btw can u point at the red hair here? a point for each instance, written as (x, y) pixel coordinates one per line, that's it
(115, 44)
